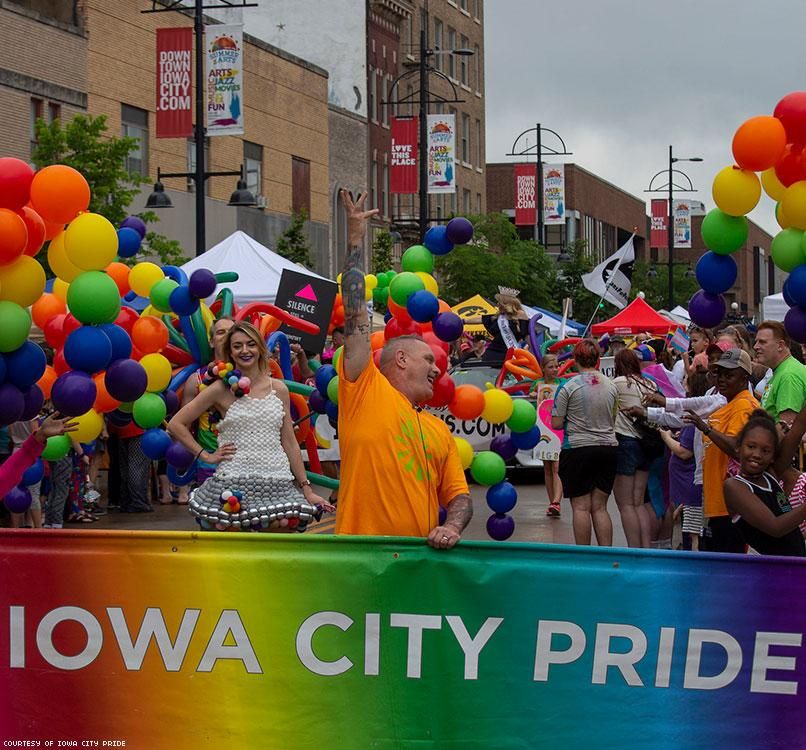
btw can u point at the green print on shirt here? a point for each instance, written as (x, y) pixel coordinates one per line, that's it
(407, 453)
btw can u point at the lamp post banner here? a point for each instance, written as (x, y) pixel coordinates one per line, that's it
(224, 75)
(174, 83)
(441, 153)
(188, 640)
(681, 211)
(553, 194)
(658, 236)
(525, 205)
(403, 166)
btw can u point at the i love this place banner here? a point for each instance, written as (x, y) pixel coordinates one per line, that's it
(187, 640)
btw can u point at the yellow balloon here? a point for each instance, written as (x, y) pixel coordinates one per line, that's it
(772, 185)
(58, 261)
(780, 217)
(91, 242)
(158, 370)
(367, 294)
(429, 281)
(22, 281)
(736, 191)
(370, 281)
(465, 452)
(207, 316)
(90, 424)
(793, 204)
(60, 287)
(497, 406)
(143, 276)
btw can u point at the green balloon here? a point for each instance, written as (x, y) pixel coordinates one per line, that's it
(404, 285)
(383, 280)
(16, 324)
(523, 416)
(93, 297)
(56, 447)
(149, 411)
(722, 233)
(488, 468)
(160, 294)
(380, 295)
(333, 389)
(787, 249)
(418, 258)
(126, 406)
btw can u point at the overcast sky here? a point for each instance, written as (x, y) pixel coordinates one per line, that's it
(621, 80)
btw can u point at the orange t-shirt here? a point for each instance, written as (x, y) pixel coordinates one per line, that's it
(728, 420)
(398, 464)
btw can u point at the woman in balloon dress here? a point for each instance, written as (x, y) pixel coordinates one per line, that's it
(259, 482)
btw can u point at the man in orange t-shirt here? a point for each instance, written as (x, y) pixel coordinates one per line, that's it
(398, 464)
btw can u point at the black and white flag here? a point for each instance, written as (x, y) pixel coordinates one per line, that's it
(612, 278)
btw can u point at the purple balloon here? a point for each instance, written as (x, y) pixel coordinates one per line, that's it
(795, 324)
(33, 399)
(18, 499)
(178, 456)
(202, 283)
(447, 326)
(317, 402)
(459, 231)
(136, 223)
(126, 380)
(503, 446)
(706, 310)
(500, 526)
(12, 404)
(443, 515)
(171, 402)
(119, 418)
(73, 393)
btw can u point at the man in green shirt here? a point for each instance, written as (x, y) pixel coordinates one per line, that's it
(785, 393)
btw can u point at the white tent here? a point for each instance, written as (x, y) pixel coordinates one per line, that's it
(678, 315)
(773, 307)
(553, 322)
(259, 269)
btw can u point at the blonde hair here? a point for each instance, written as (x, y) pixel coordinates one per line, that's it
(508, 304)
(249, 330)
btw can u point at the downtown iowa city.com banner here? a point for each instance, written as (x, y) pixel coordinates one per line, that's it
(183, 640)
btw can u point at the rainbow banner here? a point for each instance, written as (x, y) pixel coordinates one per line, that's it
(182, 640)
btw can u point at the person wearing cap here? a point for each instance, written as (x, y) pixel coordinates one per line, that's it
(616, 344)
(785, 392)
(732, 372)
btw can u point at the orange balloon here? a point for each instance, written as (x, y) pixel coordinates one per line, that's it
(47, 380)
(46, 307)
(104, 403)
(268, 324)
(53, 229)
(377, 340)
(149, 334)
(13, 236)
(759, 143)
(399, 311)
(36, 230)
(467, 402)
(444, 306)
(59, 193)
(119, 272)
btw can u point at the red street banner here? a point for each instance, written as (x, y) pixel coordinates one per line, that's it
(403, 173)
(658, 236)
(525, 179)
(174, 95)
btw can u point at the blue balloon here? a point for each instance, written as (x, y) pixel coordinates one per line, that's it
(422, 306)
(317, 402)
(525, 441)
(154, 443)
(129, 241)
(716, 273)
(387, 316)
(2, 369)
(501, 497)
(788, 298)
(120, 340)
(332, 411)
(324, 375)
(33, 473)
(88, 349)
(183, 302)
(436, 240)
(24, 366)
(178, 478)
(796, 284)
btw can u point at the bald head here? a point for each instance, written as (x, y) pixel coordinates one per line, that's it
(408, 364)
(406, 344)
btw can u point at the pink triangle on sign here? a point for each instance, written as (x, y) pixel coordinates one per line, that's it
(307, 293)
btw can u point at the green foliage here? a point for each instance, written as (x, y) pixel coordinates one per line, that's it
(382, 252)
(84, 144)
(293, 243)
(568, 283)
(656, 288)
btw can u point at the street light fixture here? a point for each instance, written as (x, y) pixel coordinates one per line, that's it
(241, 196)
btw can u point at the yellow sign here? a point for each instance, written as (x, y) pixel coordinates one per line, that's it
(473, 308)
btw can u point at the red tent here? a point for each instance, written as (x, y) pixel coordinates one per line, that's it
(637, 317)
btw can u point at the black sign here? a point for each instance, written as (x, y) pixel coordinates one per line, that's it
(311, 299)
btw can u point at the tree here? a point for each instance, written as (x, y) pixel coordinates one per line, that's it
(656, 286)
(568, 282)
(293, 243)
(84, 144)
(382, 252)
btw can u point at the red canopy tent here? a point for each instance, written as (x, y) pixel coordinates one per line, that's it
(637, 317)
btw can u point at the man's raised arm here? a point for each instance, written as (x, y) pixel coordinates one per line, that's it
(357, 349)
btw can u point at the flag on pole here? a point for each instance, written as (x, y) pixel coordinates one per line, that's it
(679, 341)
(612, 278)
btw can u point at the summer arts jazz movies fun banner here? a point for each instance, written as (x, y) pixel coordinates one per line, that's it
(174, 89)
(224, 72)
(441, 153)
(180, 640)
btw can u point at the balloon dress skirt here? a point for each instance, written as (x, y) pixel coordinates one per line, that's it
(254, 490)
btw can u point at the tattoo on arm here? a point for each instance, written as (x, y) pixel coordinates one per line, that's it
(460, 511)
(353, 295)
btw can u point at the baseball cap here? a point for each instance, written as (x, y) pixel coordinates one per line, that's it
(645, 353)
(733, 358)
(718, 346)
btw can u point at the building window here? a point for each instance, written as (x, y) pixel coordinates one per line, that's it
(466, 201)
(453, 204)
(300, 185)
(191, 183)
(479, 161)
(451, 57)
(478, 203)
(253, 164)
(477, 9)
(438, 43)
(465, 138)
(373, 184)
(463, 61)
(135, 125)
(54, 112)
(463, 4)
(477, 64)
(373, 95)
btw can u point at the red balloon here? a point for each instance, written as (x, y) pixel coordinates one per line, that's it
(60, 363)
(36, 230)
(791, 111)
(435, 342)
(440, 358)
(395, 328)
(398, 311)
(126, 318)
(15, 183)
(70, 324)
(52, 229)
(790, 167)
(444, 390)
(54, 331)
